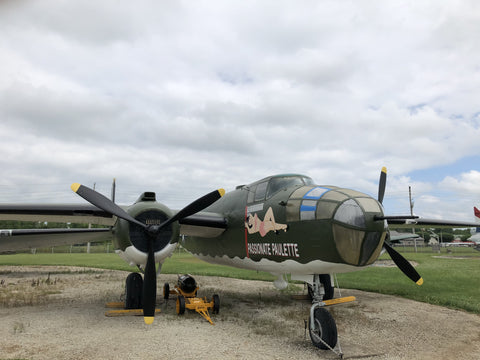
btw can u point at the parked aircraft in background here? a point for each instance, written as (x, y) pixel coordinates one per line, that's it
(476, 237)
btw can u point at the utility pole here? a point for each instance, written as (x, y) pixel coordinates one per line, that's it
(90, 226)
(411, 213)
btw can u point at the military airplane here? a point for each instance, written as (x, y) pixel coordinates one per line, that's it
(282, 224)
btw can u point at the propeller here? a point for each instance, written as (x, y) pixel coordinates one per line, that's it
(104, 203)
(149, 286)
(382, 183)
(150, 277)
(403, 264)
(397, 258)
(154, 231)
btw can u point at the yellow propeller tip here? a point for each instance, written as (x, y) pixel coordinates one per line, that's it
(148, 320)
(221, 192)
(384, 169)
(420, 282)
(75, 187)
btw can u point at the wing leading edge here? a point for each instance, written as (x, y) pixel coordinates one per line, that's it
(206, 225)
(25, 239)
(408, 222)
(77, 213)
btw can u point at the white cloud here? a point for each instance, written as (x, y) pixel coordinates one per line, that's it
(191, 96)
(466, 183)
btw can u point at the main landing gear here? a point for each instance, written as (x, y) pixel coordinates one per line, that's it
(133, 291)
(133, 301)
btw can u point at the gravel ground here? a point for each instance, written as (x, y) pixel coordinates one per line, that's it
(58, 313)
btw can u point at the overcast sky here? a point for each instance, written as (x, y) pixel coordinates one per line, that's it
(184, 97)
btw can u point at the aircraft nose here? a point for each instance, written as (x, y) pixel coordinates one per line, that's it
(358, 237)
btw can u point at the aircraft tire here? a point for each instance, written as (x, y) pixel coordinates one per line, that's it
(216, 304)
(166, 291)
(325, 329)
(180, 305)
(133, 291)
(327, 285)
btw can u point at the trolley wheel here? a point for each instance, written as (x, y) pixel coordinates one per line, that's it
(324, 329)
(166, 291)
(216, 304)
(180, 305)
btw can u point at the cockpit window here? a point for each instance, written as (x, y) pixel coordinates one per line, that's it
(278, 183)
(350, 213)
(251, 193)
(308, 181)
(261, 191)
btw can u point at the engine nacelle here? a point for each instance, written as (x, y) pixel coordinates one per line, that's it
(131, 240)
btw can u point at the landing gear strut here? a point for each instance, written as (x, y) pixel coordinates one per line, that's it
(322, 281)
(321, 325)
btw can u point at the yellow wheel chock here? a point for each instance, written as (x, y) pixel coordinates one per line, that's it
(118, 309)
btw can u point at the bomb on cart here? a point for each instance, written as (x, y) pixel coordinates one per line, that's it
(186, 291)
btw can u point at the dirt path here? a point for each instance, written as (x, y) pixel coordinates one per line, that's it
(61, 316)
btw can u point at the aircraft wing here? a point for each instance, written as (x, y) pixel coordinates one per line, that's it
(72, 213)
(408, 222)
(24, 239)
(396, 236)
(207, 225)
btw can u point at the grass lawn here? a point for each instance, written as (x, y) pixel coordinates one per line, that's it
(179, 263)
(450, 282)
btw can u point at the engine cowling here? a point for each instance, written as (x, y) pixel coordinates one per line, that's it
(131, 240)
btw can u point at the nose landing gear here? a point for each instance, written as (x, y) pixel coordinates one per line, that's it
(321, 325)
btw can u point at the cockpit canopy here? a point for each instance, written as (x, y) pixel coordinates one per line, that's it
(266, 188)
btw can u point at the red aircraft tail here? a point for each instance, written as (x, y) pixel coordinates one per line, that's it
(477, 216)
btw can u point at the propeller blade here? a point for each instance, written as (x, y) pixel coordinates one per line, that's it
(382, 184)
(104, 203)
(403, 264)
(149, 286)
(196, 206)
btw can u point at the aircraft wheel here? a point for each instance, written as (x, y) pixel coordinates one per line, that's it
(166, 291)
(324, 329)
(327, 285)
(216, 304)
(133, 291)
(180, 305)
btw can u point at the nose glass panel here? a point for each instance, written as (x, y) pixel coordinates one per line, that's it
(357, 243)
(349, 243)
(371, 247)
(350, 213)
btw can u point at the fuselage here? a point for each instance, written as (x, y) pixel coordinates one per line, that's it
(286, 224)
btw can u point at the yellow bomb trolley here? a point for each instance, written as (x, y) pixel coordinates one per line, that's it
(186, 291)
